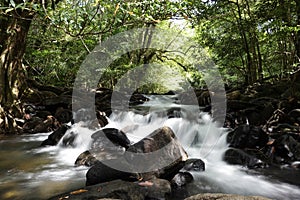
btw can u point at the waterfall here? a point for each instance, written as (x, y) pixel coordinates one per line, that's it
(202, 138)
(50, 170)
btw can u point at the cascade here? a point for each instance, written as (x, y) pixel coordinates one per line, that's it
(198, 133)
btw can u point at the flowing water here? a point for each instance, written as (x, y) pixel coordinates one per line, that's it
(28, 171)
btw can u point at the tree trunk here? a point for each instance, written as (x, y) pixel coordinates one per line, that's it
(14, 28)
(298, 32)
(246, 46)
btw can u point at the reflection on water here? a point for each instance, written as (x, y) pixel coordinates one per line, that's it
(29, 172)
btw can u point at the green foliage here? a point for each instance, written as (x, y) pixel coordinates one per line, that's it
(249, 39)
(60, 39)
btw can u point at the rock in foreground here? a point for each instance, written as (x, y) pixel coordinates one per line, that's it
(118, 189)
(218, 196)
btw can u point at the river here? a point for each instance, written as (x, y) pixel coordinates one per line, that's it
(28, 171)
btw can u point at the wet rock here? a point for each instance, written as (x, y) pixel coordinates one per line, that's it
(102, 120)
(103, 172)
(69, 139)
(247, 136)
(37, 125)
(86, 158)
(63, 115)
(30, 124)
(189, 165)
(109, 138)
(137, 99)
(240, 157)
(43, 114)
(218, 196)
(159, 150)
(157, 189)
(55, 137)
(181, 179)
(295, 115)
(119, 189)
(286, 149)
(194, 164)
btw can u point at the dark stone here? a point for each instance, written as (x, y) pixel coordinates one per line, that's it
(30, 124)
(194, 164)
(295, 115)
(181, 179)
(286, 149)
(55, 137)
(119, 189)
(137, 99)
(219, 196)
(68, 140)
(158, 189)
(240, 157)
(63, 115)
(43, 114)
(247, 136)
(100, 173)
(102, 120)
(115, 136)
(170, 92)
(86, 158)
(37, 125)
(170, 171)
(29, 109)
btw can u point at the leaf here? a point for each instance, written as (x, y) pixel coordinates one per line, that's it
(9, 10)
(78, 191)
(13, 4)
(117, 8)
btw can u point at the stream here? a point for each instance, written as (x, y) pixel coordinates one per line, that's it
(28, 171)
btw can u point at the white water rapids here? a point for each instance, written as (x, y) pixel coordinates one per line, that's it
(39, 173)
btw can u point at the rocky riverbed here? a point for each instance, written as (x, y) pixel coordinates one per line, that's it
(262, 122)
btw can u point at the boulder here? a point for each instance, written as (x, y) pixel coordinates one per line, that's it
(194, 164)
(189, 165)
(295, 115)
(247, 136)
(37, 125)
(240, 157)
(31, 123)
(109, 139)
(119, 189)
(103, 172)
(158, 151)
(86, 158)
(63, 115)
(181, 179)
(55, 137)
(137, 99)
(69, 139)
(286, 149)
(90, 158)
(214, 196)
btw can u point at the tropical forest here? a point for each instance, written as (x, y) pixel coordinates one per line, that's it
(149, 99)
